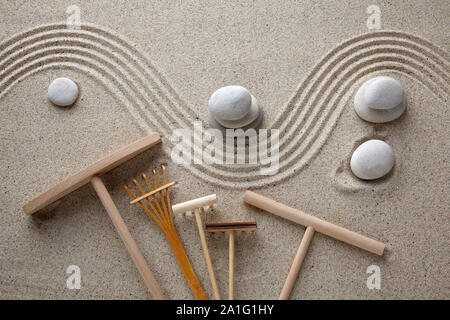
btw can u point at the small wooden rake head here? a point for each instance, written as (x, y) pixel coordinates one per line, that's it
(161, 210)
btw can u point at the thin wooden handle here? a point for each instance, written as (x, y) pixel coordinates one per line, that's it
(127, 239)
(319, 225)
(186, 266)
(212, 276)
(231, 266)
(297, 264)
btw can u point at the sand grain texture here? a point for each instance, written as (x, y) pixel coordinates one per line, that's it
(144, 67)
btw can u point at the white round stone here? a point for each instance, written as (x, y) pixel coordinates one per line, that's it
(380, 100)
(383, 93)
(246, 120)
(214, 124)
(62, 92)
(372, 160)
(230, 103)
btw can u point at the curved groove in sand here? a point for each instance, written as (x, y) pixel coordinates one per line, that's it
(96, 51)
(111, 41)
(43, 41)
(62, 49)
(216, 181)
(87, 58)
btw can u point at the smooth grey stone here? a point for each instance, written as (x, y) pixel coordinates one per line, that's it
(246, 120)
(377, 115)
(214, 124)
(383, 93)
(373, 159)
(62, 92)
(230, 103)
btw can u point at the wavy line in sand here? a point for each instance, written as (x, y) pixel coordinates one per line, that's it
(64, 50)
(317, 125)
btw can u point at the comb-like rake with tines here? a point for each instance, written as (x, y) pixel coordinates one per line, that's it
(161, 212)
(231, 227)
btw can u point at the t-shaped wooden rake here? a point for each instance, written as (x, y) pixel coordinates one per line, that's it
(231, 227)
(312, 224)
(92, 174)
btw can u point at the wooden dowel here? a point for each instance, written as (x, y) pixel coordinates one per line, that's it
(297, 264)
(126, 237)
(212, 276)
(319, 225)
(231, 267)
(144, 196)
(207, 201)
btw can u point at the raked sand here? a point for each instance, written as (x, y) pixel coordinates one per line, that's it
(143, 67)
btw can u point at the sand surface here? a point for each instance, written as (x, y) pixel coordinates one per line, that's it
(146, 66)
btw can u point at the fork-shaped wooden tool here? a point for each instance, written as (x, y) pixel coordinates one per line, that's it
(161, 212)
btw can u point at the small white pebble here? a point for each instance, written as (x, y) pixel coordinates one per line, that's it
(373, 159)
(62, 92)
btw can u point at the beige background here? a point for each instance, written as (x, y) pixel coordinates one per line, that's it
(268, 47)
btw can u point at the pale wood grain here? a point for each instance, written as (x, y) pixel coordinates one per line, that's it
(190, 205)
(231, 267)
(297, 264)
(126, 237)
(319, 225)
(151, 193)
(209, 265)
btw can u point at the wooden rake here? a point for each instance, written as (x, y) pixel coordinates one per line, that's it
(197, 206)
(93, 174)
(161, 212)
(231, 227)
(312, 225)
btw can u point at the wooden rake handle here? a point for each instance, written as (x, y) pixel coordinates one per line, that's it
(208, 261)
(186, 266)
(126, 237)
(312, 224)
(319, 225)
(231, 267)
(297, 264)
